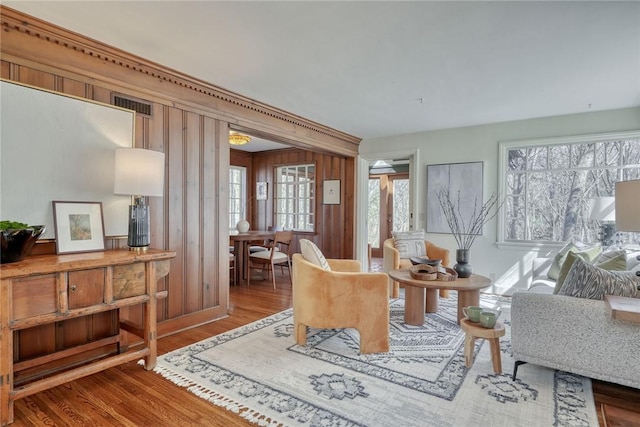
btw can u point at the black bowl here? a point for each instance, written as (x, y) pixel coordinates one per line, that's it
(432, 262)
(16, 244)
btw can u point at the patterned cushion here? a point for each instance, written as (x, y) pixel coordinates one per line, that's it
(588, 281)
(311, 253)
(570, 257)
(410, 243)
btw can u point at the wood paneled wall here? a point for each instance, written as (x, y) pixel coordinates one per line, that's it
(190, 124)
(334, 223)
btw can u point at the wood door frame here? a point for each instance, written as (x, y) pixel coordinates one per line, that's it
(364, 161)
(386, 207)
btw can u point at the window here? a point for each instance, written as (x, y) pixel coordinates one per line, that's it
(237, 195)
(401, 209)
(295, 197)
(374, 213)
(547, 184)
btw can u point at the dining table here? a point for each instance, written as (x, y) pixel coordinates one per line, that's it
(241, 243)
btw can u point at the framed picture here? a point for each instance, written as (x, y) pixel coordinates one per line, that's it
(463, 181)
(261, 191)
(79, 226)
(331, 192)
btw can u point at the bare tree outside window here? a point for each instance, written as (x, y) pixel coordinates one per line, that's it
(374, 212)
(237, 195)
(400, 205)
(295, 197)
(548, 186)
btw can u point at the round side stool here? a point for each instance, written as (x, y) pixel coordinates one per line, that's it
(475, 330)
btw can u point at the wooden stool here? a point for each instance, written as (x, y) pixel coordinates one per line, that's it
(474, 330)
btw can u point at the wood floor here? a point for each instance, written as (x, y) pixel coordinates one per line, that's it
(130, 396)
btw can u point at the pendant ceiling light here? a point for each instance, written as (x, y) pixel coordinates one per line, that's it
(238, 139)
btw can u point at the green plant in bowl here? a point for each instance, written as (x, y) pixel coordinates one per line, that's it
(17, 240)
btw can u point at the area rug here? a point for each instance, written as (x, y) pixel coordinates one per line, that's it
(259, 372)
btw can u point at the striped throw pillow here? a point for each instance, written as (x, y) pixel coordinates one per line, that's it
(311, 253)
(588, 281)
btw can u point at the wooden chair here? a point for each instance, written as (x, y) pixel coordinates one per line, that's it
(276, 253)
(232, 268)
(259, 246)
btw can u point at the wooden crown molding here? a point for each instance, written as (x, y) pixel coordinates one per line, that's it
(13, 20)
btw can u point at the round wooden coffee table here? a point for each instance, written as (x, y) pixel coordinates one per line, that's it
(421, 296)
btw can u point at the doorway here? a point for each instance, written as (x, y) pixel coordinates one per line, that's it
(389, 202)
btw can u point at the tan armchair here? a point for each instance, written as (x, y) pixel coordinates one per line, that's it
(391, 261)
(342, 297)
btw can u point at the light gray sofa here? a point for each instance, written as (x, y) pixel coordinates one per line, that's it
(573, 334)
(540, 282)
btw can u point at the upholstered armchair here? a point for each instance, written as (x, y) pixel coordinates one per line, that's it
(391, 261)
(342, 297)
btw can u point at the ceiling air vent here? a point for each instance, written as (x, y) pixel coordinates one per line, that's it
(139, 106)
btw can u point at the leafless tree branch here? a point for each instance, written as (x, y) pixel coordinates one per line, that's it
(466, 232)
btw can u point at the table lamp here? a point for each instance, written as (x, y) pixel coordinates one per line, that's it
(628, 207)
(139, 173)
(603, 209)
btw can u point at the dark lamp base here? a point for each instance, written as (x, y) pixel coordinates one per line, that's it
(139, 227)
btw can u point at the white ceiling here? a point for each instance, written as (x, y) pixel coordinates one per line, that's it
(374, 69)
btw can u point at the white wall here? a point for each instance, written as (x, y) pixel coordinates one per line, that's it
(510, 267)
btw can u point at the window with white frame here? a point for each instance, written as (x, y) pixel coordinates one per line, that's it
(237, 195)
(295, 197)
(548, 183)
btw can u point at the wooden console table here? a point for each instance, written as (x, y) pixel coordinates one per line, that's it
(623, 308)
(50, 288)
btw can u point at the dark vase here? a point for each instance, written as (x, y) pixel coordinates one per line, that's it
(16, 244)
(463, 268)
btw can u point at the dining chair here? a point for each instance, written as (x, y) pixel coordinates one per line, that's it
(232, 268)
(259, 246)
(276, 253)
(269, 241)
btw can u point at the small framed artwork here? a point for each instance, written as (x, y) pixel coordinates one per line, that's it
(79, 226)
(331, 192)
(261, 191)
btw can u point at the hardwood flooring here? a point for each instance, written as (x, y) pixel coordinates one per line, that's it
(621, 405)
(128, 395)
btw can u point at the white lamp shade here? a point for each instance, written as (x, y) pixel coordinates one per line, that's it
(139, 172)
(628, 205)
(602, 209)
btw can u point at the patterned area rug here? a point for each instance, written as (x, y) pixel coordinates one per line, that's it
(258, 371)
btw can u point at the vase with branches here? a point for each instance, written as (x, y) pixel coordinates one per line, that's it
(468, 226)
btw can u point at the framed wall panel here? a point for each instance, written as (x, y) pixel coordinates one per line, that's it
(463, 181)
(57, 147)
